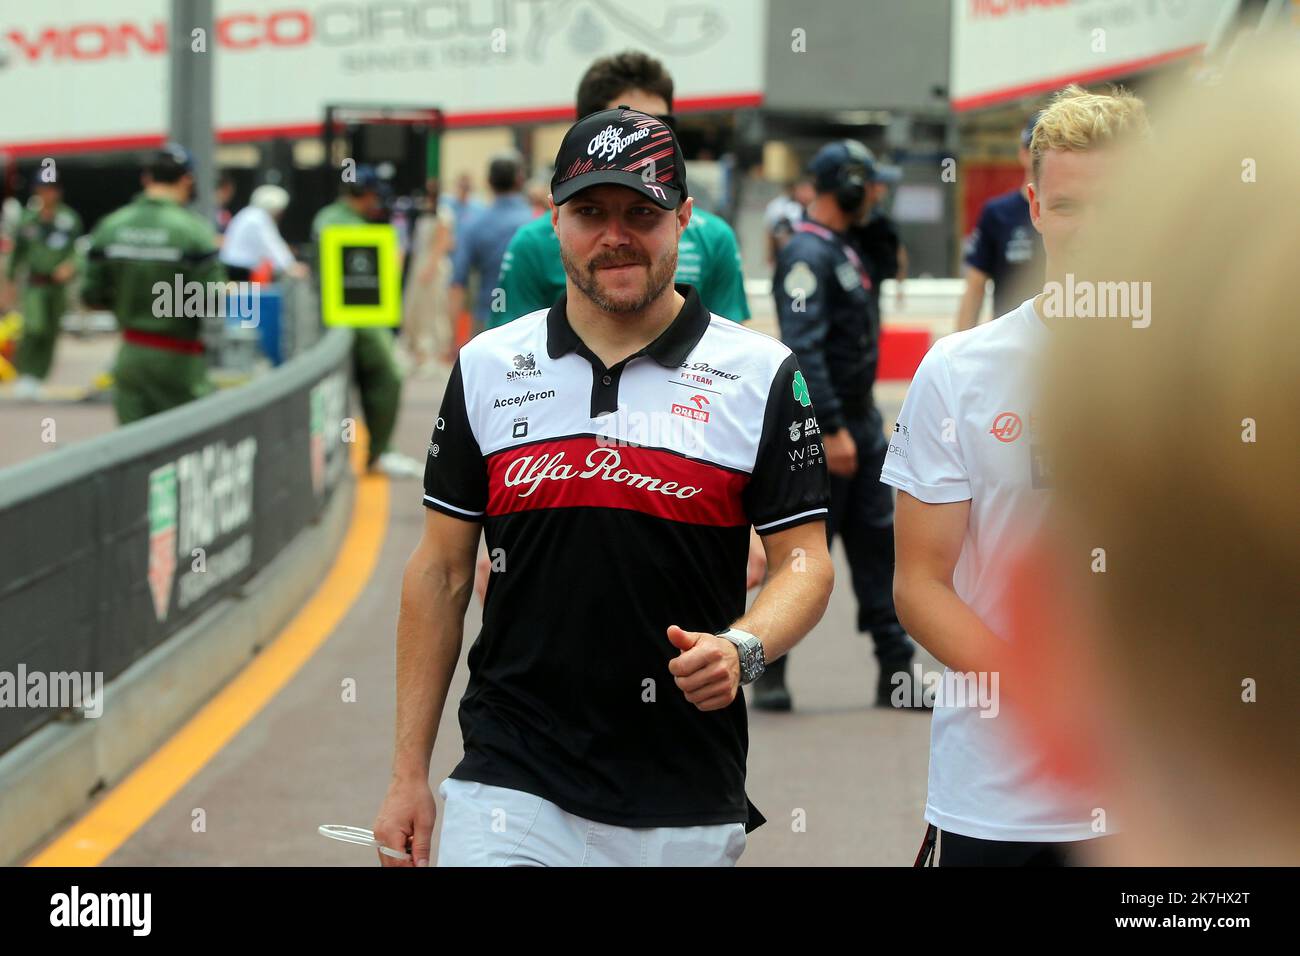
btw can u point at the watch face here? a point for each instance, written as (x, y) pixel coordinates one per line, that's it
(751, 660)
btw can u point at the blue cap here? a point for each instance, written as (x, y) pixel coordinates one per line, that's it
(827, 163)
(369, 180)
(169, 163)
(177, 154)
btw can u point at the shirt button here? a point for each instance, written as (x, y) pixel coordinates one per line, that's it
(606, 380)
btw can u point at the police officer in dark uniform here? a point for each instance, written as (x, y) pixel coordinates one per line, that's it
(876, 237)
(830, 320)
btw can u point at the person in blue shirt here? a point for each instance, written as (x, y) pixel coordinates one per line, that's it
(461, 201)
(1004, 249)
(481, 243)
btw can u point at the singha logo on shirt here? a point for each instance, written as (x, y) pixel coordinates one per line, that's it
(525, 367)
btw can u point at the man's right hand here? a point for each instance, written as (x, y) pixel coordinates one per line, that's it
(405, 821)
(841, 453)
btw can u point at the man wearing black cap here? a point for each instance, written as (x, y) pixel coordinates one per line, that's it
(1004, 248)
(829, 317)
(154, 240)
(532, 276)
(876, 236)
(615, 450)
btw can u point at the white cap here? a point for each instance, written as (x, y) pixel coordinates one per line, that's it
(274, 199)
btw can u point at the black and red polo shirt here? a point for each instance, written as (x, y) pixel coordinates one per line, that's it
(615, 502)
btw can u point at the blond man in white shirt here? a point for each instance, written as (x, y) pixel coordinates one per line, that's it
(972, 486)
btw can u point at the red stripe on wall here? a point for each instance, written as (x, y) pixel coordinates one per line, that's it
(243, 134)
(582, 473)
(993, 97)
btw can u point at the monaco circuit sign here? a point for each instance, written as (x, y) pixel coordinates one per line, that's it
(101, 69)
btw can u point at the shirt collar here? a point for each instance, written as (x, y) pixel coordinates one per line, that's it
(670, 349)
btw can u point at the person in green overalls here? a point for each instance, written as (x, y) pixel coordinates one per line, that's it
(43, 247)
(155, 239)
(373, 365)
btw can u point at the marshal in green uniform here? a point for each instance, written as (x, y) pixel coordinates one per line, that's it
(154, 239)
(532, 275)
(373, 365)
(44, 251)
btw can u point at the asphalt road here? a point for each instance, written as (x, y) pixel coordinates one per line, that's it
(840, 782)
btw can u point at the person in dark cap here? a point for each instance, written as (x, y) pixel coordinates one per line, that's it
(1004, 248)
(379, 381)
(614, 448)
(876, 235)
(153, 240)
(829, 318)
(44, 252)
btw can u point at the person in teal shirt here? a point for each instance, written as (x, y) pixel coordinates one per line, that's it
(532, 275)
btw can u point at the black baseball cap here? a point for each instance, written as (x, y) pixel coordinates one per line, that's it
(169, 163)
(621, 147)
(826, 166)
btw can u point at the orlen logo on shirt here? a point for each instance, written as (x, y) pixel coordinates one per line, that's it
(697, 413)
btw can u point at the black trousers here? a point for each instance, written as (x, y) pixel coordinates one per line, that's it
(958, 850)
(862, 514)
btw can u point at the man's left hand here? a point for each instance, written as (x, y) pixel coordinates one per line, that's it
(706, 669)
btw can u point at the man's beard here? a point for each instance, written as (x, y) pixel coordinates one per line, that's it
(659, 277)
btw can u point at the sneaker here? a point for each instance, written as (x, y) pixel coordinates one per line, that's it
(402, 359)
(911, 696)
(396, 465)
(27, 388)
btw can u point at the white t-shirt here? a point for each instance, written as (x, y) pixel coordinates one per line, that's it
(251, 237)
(967, 431)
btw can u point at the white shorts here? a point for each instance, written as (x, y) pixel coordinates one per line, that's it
(484, 825)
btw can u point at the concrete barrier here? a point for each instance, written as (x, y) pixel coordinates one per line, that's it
(160, 557)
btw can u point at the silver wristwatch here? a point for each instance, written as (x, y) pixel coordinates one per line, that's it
(750, 649)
